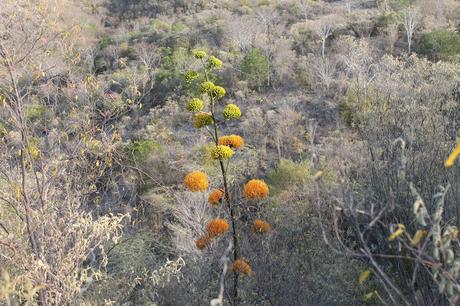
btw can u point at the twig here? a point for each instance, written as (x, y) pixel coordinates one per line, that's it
(219, 301)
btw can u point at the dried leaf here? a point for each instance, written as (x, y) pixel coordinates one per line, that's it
(400, 229)
(452, 157)
(419, 235)
(364, 276)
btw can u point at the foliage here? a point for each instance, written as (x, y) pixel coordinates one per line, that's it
(140, 150)
(35, 112)
(441, 44)
(170, 72)
(3, 130)
(288, 175)
(98, 104)
(51, 243)
(400, 4)
(255, 68)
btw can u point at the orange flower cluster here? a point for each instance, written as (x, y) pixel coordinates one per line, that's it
(233, 141)
(217, 227)
(196, 181)
(261, 227)
(255, 189)
(216, 197)
(202, 242)
(241, 266)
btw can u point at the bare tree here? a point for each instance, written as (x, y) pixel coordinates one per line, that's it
(242, 31)
(305, 8)
(47, 237)
(324, 30)
(268, 17)
(410, 23)
(325, 70)
(359, 60)
(348, 6)
(282, 128)
(148, 55)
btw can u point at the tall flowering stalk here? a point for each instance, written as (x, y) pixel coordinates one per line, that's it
(207, 116)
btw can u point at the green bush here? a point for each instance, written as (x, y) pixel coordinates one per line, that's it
(387, 18)
(400, 4)
(395, 4)
(35, 111)
(179, 27)
(114, 105)
(105, 41)
(93, 145)
(159, 25)
(3, 130)
(348, 114)
(140, 150)
(255, 68)
(170, 72)
(441, 44)
(120, 80)
(289, 174)
(127, 51)
(291, 177)
(101, 63)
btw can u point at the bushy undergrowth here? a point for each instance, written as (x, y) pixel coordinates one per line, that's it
(314, 149)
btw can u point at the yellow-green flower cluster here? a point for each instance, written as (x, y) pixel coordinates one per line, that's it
(199, 54)
(195, 105)
(215, 91)
(231, 111)
(207, 87)
(214, 62)
(221, 152)
(203, 119)
(190, 75)
(218, 92)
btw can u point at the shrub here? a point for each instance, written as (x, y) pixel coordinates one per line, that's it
(105, 41)
(289, 174)
(173, 61)
(3, 130)
(400, 4)
(395, 4)
(140, 150)
(35, 111)
(255, 68)
(440, 44)
(348, 114)
(127, 51)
